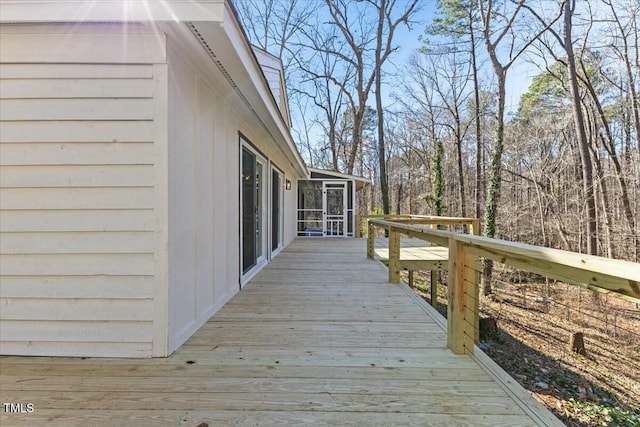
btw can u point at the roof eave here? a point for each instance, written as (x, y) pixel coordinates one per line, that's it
(45, 11)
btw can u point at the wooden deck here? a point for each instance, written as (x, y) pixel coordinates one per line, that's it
(318, 337)
(415, 254)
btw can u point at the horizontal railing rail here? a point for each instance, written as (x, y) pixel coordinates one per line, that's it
(620, 278)
(362, 221)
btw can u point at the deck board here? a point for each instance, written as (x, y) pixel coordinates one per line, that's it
(317, 338)
(415, 254)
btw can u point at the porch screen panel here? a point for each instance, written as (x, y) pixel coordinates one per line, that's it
(350, 208)
(310, 208)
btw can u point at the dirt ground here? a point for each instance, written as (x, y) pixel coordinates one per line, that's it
(535, 321)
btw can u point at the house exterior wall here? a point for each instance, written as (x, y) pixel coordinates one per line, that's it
(119, 187)
(206, 118)
(80, 194)
(203, 218)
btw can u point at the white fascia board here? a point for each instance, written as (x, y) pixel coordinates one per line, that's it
(341, 175)
(32, 11)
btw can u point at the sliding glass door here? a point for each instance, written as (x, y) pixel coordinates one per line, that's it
(253, 201)
(277, 210)
(249, 210)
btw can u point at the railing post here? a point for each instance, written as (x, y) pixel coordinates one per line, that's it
(434, 288)
(475, 227)
(394, 255)
(370, 241)
(462, 310)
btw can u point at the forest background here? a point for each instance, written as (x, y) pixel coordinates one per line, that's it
(430, 122)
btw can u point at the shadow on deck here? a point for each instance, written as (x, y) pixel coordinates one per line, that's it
(318, 337)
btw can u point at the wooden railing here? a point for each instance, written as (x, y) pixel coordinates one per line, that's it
(362, 221)
(620, 278)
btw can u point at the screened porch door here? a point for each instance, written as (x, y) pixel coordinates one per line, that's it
(334, 212)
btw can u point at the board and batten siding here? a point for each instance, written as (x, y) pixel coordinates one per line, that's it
(206, 117)
(82, 170)
(203, 212)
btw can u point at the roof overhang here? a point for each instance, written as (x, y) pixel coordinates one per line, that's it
(213, 23)
(33, 11)
(244, 71)
(360, 181)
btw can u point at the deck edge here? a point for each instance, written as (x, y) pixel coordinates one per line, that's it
(521, 396)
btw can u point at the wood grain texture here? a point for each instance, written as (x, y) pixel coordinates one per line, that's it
(76, 109)
(75, 132)
(601, 274)
(76, 176)
(65, 71)
(305, 346)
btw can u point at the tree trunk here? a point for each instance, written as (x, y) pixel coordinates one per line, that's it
(438, 177)
(606, 217)
(463, 197)
(495, 179)
(476, 95)
(356, 138)
(576, 343)
(332, 147)
(583, 143)
(382, 157)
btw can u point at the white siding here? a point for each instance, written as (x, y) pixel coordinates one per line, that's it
(203, 236)
(274, 74)
(79, 197)
(273, 79)
(119, 188)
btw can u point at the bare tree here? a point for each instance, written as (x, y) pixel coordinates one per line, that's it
(498, 33)
(585, 157)
(384, 38)
(327, 78)
(458, 20)
(273, 25)
(424, 106)
(366, 48)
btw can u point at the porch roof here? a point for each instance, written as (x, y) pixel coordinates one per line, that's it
(359, 181)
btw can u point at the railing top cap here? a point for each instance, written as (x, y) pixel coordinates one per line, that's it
(497, 248)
